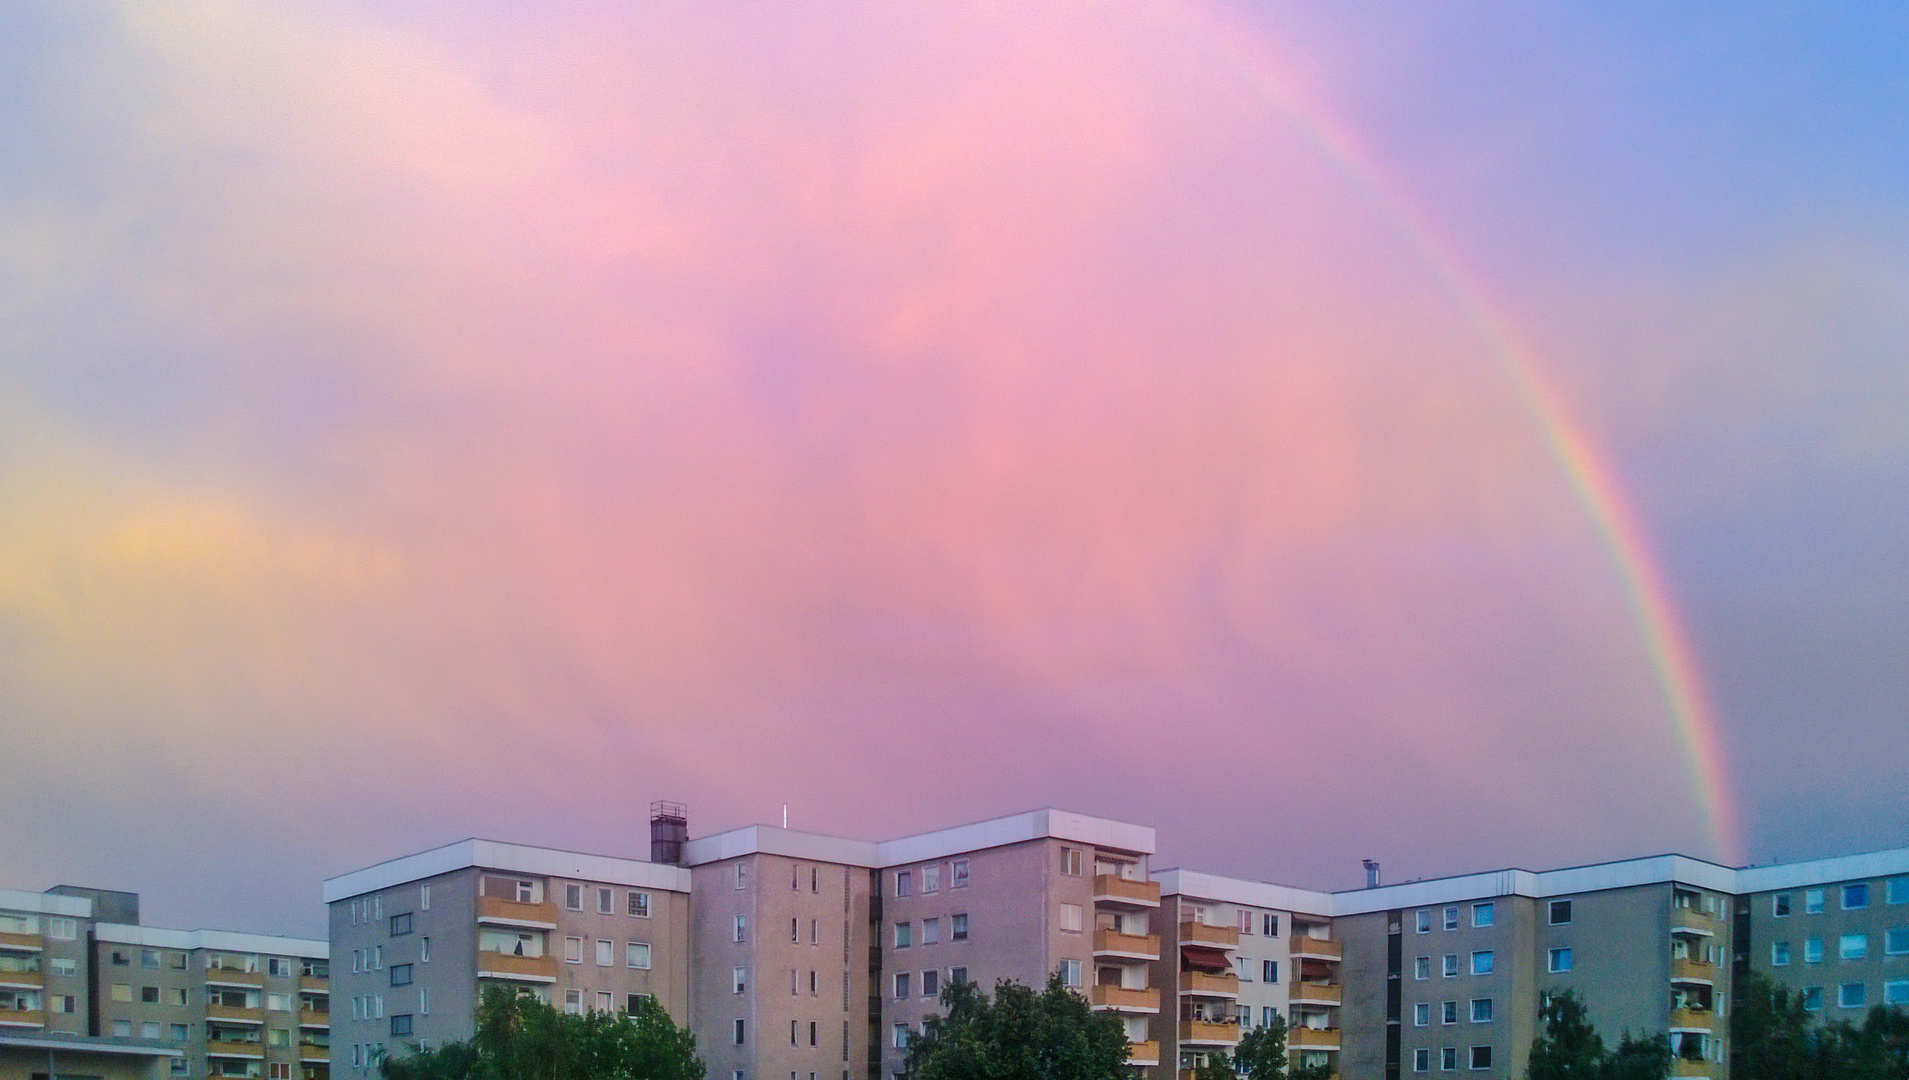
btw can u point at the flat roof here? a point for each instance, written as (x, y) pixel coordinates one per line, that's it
(154, 937)
(92, 1044)
(77, 907)
(517, 858)
(976, 836)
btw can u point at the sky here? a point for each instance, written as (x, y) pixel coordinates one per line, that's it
(420, 421)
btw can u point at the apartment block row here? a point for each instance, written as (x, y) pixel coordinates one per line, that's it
(87, 991)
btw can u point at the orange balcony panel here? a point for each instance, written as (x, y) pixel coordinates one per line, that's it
(496, 909)
(22, 1018)
(1684, 969)
(1691, 1019)
(1305, 1038)
(1122, 999)
(495, 965)
(21, 942)
(314, 1053)
(1305, 993)
(1130, 946)
(1116, 891)
(29, 980)
(314, 984)
(1143, 1053)
(1311, 948)
(228, 977)
(241, 1016)
(1209, 1033)
(312, 1018)
(1217, 937)
(234, 1049)
(1686, 1067)
(1202, 984)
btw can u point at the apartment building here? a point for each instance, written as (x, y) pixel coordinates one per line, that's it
(1834, 930)
(81, 979)
(1239, 954)
(416, 940)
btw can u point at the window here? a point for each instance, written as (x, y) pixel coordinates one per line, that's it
(573, 897)
(1558, 961)
(904, 883)
(1895, 992)
(737, 1031)
(606, 953)
(742, 882)
(930, 931)
(1852, 995)
(1812, 901)
(742, 928)
(1481, 1010)
(1484, 914)
(738, 980)
(1246, 923)
(1243, 968)
(1895, 941)
(63, 965)
(1779, 954)
(1813, 950)
(900, 1036)
(1269, 925)
(67, 1003)
(931, 983)
(1481, 1057)
(1070, 973)
(1451, 919)
(400, 1025)
(795, 1033)
(1422, 1014)
(815, 879)
(606, 904)
(149, 958)
(122, 992)
(424, 1000)
(1421, 1060)
(1422, 968)
(123, 1028)
(1424, 924)
(1070, 918)
(62, 929)
(1481, 962)
(400, 976)
(181, 1067)
(1269, 971)
(1070, 861)
(424, 950)
(813, 1032)
(636, 954)
(377, 958)
(931, 878)
(1451, 966)
(904, 935)
(958, 926)
(815, 932)
(120, 958)
(149, 995)
(1853, 946)
(1856, 896)
(1780, 905)
(424, 898)
(637, 904)
(1448, 1012)
(901, 985)
(400, 925)
(959, 872)
(1448, 1058)
(1560, 912)
(1813, 998)
(957, 975)
(279, 1070)
(1897, 891)
(795, 931)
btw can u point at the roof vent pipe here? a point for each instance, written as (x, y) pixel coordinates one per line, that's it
(1371, 874)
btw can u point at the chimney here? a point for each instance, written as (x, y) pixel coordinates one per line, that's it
(1371, 874)
(669, 831)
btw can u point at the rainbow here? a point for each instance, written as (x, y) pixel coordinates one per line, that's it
(1592, 479)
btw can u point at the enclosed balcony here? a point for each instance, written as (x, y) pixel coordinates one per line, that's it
(1686, 920)
(1213, 937)
(498, 911)
(1124, 999)
(1113, 891)
(1209, 984)
(1113, 943)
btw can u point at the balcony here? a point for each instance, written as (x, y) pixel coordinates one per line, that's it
(1312, 948)
(1305, 993)
(234, 1049)
(1208, 1033)
(502, 912)
(1687, 1067)
(28, 1018)
(229, 977)
(314, 984)
(312, 1018)
(1690, 1019)
(1113, 891)
(1143, 1053)
(1305, 1038)
(313, 1053)
(1126, 946)
(1217, 937)
(496, 965)
(20, 942)
(22, 980)
(1122, 999)
(234, 1015)
(1684, 969)
(1202, 984)
(1691, 921)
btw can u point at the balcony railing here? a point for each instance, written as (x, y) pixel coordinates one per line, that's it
(314, 984)
(313, 1053)
(229, 977)
(1305, 993)
(1218, 937)
(1305, 1038)
(312, 1018)
(22, 1018)
(1204, 984)
(1691, 920)
(1124, 999)
(1143, 1053)
(1208, 1031)
(1686, 1067)
(1312, 948)
(235, 1014)
(1684, 969)
(496, 965)
(1132, 946)
(496, 909)
(1124, 892)
(31, 980)
(1692, 1019)
(234, 1049)
(20, 942)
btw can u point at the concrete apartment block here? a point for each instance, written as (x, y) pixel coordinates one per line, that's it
(417, 938)
(1834, 930)
(114, 998)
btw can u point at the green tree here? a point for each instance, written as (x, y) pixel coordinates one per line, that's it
(1771, 1035)
(1018, 1034)
(1261, 1054)
(1643, 1058)
(1569, 1048)
(521, 1038)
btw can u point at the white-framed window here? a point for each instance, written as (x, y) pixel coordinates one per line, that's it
(815, 932)
(1484, 914)
(573, 896)
(958, 872)
(1779, 954)
(1856, 896)
(636, 954)
(904, 883)
(1482, 1010)
(1070, 973)
(904, 935)
(1447, 1058)
(424, 950)
(1071, 918)
(62, 929)
(742, 875)
(1813, 950)
(573, 950)
(1450, 969)
(958, 926)
(1895, 941)
(1246, 922)
(899, 1036)
(1448, 1012)
(930, 931)
(1423, 924)
(1482, 962)
(1243, 968)
(1451, 918)
(930, 982)
(931, 878)
(1422, 968)
(738, 979)
(606, 903)
(1853, 947)
(795, 930)
(1422, 1060)
(424, 1001)
(1481, 1057)
(636, 904)
(738, 1031)
(742, 928)
(1070, 861)
(902, 982)
(1780, 906)
(1560, 912)
(1852, 995)
(1558, 960)
(1422, 1014)
(1812, 901)
(424, 897)
(1269, 924)
(63, 965)
(1895, 992)
(1269, 971)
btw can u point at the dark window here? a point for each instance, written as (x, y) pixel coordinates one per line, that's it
(149, 995)
(401, 974)
(1481, 1057)
(1560, 912)
(400, 924)
(739, 1030)
(957, 975)
(401, 1025)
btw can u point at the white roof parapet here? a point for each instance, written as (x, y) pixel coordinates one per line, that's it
(1015, 829)
(92, 1044)
(516, 858)
(154, 937)
(1872, 864)
(78, 907)
(1259, 894)
(769, 840)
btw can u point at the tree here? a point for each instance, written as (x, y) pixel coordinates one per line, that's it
(1770, 1032)
(1570, 1048)
(1018, 1035)
(1261, 1054)
(1643, 1058)
(521, 1038)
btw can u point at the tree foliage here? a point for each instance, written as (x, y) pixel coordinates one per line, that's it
(1570, 1048)
(1018, 1034)
(521, 1038)
(1774, 1037)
